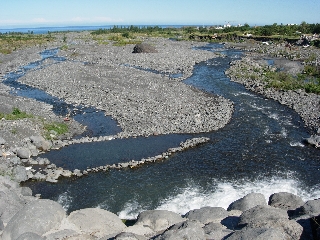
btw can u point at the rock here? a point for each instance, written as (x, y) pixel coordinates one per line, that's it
(128, 236)
(10, 203)
(258, 234)
(20, 174)
(96, 222)
(207, 214)
(41, 143)
(1, 225)
(140, 230)
(187, 230)
(26, 191)
(30, 236)
(284, 200)
(39, 216)
(249, 201)
(62, 234)
(2, 141)
(270, 217)
(314, 140)
(144, 48)
(216, 231)
(23, 153)
(158, 220)
(262, 214)
(311, 208)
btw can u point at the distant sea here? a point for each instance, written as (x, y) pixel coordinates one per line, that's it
(44, 30)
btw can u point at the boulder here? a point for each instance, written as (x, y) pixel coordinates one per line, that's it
(2, 141)
(30, 236)
(270, 217)
(39, 216)
(96, 222)
(20, 174)
(24, 153)
(207, 214)
(187, 230)
(62, 234)
(144, 48)
(10, 203)
(41, 143)
(262, 214)
(249, 201)
(140, 230)
(216, 231)
(284, 200)
(158, 220)
(259, 234)
(127, 236)
(311, 208)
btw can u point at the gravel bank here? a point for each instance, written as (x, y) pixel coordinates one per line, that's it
(143, 102)
(249, 71)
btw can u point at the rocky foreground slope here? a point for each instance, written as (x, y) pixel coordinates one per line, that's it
(282, 216)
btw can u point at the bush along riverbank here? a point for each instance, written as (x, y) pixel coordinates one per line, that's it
(289, 75)
(282, 216)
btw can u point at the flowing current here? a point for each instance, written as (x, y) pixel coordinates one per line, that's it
(260, 150)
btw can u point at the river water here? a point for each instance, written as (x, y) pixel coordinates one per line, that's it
(260, 150)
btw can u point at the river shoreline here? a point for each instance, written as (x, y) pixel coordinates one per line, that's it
(144, 104)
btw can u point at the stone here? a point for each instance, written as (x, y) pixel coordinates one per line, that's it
(158, 220)
(187, 230)
(62, 234)
(262, 213)
(128, 236)
(140, 230)
(10, 204)
(41, 143)
(96, 222)
(20, 174)
(259, 234)
(144, 48)
(249, 201)
(284, 200)
(270, 217)
(39, 216)
(23, 153)
(25, 191)
(30, 236)
(2, 141)
(311, 208)
(207, 214)
(216, 231)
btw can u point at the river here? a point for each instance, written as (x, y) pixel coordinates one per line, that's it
(260, 150)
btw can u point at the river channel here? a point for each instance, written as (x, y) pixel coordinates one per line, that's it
(260, 150)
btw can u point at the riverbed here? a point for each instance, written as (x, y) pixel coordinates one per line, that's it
(260, 150)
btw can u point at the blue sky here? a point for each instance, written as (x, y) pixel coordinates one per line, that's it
(38, 13)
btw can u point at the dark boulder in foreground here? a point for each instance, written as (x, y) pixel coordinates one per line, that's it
(144, 48)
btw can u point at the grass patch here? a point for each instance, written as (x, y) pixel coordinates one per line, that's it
(58, 128)
(13, 41)
(15, 115)
(285, 81)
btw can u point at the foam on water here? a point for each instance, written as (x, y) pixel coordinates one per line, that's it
(194, 197)
(65, 200)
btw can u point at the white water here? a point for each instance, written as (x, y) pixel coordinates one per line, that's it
(193, 197)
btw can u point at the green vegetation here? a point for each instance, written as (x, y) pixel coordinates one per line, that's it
(10, 42)
(309, 80)
(59, 128)
(15, 115)
(273, 32)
